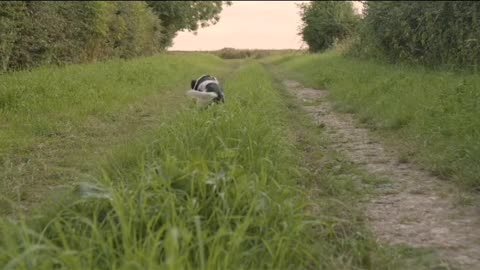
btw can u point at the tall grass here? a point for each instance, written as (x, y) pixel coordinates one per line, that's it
(53, 121)
(48, 100)
(432, 116)
(80, 90)
(214, 190)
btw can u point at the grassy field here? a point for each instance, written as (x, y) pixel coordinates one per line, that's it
(56, 122)
(431, 117)
(232, 187)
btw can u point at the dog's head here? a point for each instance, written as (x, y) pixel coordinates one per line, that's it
(194, 82)
(220, 97)
(209, 87)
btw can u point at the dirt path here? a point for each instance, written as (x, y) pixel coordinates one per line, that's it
(414, 208)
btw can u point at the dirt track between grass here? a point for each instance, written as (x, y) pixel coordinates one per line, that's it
(413, 208)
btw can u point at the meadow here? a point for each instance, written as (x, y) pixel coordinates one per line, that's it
(150, 181)
(56, 121)
(106, 163)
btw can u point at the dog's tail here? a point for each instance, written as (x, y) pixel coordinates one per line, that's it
(202, 98)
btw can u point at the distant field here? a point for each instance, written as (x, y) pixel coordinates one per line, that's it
(432, 117)
(231, 53)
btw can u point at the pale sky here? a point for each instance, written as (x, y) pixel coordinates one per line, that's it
(249, 25)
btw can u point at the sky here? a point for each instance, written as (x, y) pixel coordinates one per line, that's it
(249, 25)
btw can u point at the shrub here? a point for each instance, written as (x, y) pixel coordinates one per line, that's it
(36, 33)
(427, 33)
(41, 33)
(326, 22)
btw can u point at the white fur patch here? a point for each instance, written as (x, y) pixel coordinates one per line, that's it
(202, 98)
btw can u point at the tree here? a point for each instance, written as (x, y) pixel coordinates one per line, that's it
(36, 33)
(324, 22)
(186, 15)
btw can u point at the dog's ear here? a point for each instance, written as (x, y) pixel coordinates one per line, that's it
(192, 83)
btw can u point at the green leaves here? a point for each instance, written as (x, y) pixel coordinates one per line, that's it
(186, 15)
(428, 33)
(326, 22)
(40, 33)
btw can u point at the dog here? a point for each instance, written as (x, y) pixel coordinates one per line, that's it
(206, 90)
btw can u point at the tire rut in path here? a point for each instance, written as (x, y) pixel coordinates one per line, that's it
(414, 208)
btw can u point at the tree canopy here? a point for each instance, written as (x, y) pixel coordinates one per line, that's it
(325, 22)
(35, 33)
(186, 15)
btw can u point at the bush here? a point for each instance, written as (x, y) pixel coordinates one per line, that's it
(37, 33)
(41, 33)
(428, 33)
(11, 16)
(326, 22)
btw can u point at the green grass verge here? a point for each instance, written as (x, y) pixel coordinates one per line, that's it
(338, 191)
(432, 117)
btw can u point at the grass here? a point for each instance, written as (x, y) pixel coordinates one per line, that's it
(49, 101)
(57, 122)
(214, 189)
(432, 117)
(337, 190)
(245, 185)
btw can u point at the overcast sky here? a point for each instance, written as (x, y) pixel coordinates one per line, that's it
(249, 25)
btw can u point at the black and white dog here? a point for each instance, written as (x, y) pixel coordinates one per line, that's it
(206, 89)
